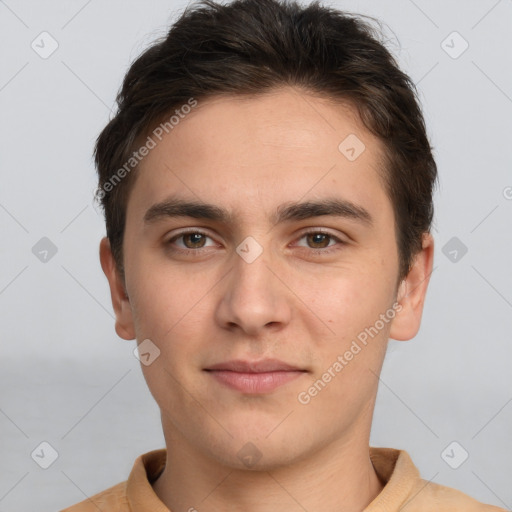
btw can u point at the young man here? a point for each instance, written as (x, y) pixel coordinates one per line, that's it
(267, 186)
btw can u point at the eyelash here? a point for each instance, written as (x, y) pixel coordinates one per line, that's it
(318, 251)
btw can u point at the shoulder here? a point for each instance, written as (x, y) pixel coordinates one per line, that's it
(429, 496)
(405, 490)
(137, 490)
(112, 499)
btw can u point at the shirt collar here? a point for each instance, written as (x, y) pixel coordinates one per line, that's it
(394, 467)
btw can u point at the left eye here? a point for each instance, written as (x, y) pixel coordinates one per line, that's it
(319, 239)
(192, 240)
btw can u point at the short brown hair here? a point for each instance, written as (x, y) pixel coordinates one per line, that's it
(252, 46)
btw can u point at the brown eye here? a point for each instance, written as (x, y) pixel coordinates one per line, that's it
(197, 240)
(319, 240)
(191, 241)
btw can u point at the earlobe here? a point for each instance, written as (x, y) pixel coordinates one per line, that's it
(120, 300)
(412, 292)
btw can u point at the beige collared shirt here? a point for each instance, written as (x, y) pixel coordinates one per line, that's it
(404, 490)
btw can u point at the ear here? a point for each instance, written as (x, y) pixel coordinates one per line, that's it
(120, 301)
(412, 292)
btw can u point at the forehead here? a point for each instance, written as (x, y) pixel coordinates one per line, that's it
(253, 153)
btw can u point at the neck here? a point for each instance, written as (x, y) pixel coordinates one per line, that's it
(338, 478)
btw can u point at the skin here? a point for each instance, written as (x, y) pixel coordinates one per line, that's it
(296, 302)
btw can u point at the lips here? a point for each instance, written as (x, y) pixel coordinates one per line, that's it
(254, 377)
(265, 365)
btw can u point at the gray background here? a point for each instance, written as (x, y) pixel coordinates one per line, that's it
(68, 380)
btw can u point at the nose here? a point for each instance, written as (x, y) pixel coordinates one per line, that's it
(254, 297)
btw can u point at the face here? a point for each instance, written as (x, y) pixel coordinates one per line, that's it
(292, 261)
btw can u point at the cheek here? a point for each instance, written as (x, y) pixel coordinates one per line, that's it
(349, 358)
(175, 313)
(349, 300)
(165, 297)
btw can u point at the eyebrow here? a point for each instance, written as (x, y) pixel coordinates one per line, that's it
(177, 207)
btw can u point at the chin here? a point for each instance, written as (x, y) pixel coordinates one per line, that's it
(254, 457)
(259, 451)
